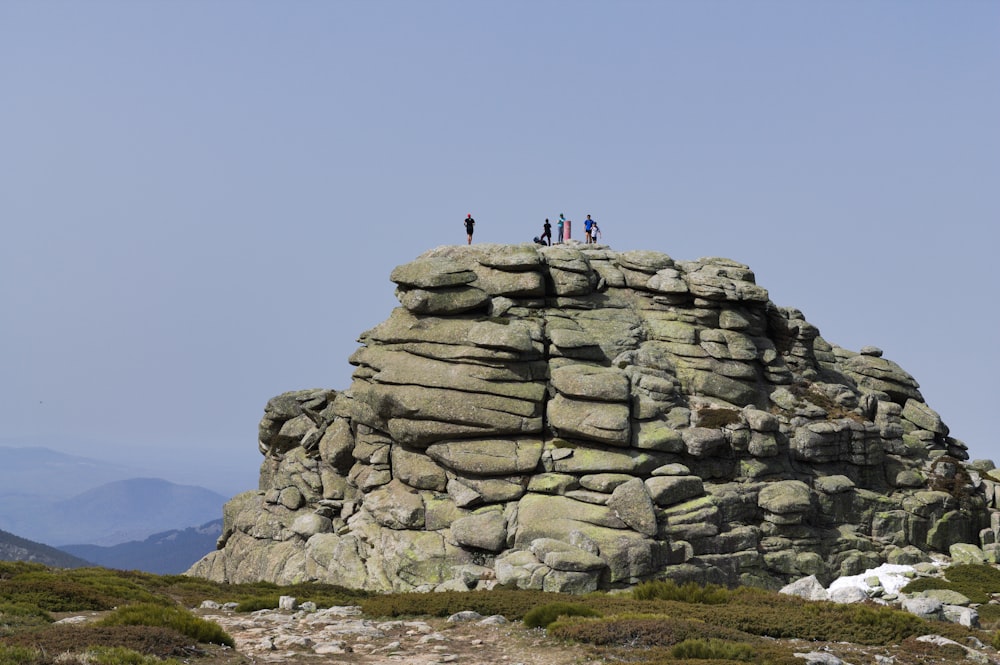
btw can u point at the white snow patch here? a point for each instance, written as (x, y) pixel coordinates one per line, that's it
(890, 576)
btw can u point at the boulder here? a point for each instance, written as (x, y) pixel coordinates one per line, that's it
(656, 418)
(923, 607)
(631, 502)
(808, 588)
(966, 553)
(595, 421)
(488, 457)
(785, 496)
(668, 490)
(396, 506)
(432, 272)
(484, 530)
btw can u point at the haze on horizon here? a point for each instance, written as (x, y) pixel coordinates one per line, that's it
(202, 202)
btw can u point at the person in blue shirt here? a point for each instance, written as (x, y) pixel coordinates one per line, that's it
(588, 225)
(559, 228)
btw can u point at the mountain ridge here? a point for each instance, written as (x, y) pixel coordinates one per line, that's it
(115, 512)
(168, 552)
(15, 548)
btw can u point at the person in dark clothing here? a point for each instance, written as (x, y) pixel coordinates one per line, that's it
(469, 225)
(547, 232)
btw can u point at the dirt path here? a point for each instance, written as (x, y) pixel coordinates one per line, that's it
(342, 635)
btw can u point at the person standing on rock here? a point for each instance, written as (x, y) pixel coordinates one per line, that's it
(469, 226)
(559, 229)
(547, 232)
(588, 225)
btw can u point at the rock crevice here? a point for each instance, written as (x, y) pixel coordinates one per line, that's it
(572, 418)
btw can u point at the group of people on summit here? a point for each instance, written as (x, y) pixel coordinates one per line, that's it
(591, 230)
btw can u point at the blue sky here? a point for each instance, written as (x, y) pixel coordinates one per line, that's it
(202, 201)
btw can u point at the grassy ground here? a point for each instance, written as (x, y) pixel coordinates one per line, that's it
(145, 618)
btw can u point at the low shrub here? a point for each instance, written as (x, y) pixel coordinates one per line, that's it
(176, 618)
(713, 650)
(512, 604)
(989, 616)
(258, 603)
(912, 650)
(718, 417)
(253, 597)
(640, 630)
(769, 614)
(688, 592)
(974, 581)
(20, 656)
(543, 615)
(763, 654)
(74, 590)
(122, 656)
(125, 586)
(53, 594)
(63, 638)
(93, 656)
(18, 617)
(9, 569)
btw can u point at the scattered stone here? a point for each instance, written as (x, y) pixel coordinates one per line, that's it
(75, 619)
(966, 553)
(925, 608)
(494, 620)
(850, 594)
(467, 615)
(819, 658)
(965, 616)
(946, 596)
(806, 587)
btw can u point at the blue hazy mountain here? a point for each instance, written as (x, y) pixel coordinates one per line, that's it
(15, 548)
(56, 498)
(109, 514)
(31, 472)
(167, 553)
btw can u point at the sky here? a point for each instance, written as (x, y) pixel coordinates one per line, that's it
(201, 202)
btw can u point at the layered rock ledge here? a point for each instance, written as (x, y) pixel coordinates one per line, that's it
(572, 418)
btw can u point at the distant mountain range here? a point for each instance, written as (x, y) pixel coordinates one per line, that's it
(42, 472)
(13, 548)
(57, 499)
(168, 553)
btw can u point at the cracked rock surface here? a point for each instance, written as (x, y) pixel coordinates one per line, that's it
(573, 418)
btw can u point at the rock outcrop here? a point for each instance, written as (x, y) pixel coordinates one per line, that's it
(572, 418)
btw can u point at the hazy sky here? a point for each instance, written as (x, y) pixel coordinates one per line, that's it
(201, 202)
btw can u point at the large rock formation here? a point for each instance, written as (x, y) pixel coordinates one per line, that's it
(572, 418)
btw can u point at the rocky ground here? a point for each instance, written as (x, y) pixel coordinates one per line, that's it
(343, 636)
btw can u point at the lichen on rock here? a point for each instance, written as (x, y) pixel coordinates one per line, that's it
(572, 418)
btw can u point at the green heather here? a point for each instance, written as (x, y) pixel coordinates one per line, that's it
(657, 623)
